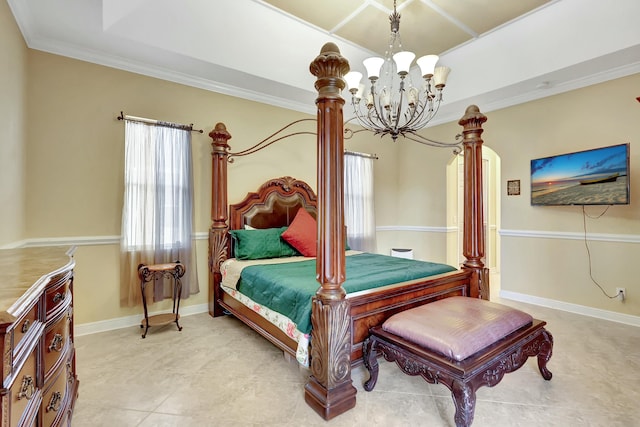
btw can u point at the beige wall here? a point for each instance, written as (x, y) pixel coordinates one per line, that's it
(421, 204)
(73, 159)
(75, 155)
(544, 253)
(76, 147)
(558, 268)
(13, 83)
(385, 170)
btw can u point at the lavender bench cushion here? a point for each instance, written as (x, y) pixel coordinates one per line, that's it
(456, 327)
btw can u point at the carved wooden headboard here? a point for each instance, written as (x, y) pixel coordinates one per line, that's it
(274, 205)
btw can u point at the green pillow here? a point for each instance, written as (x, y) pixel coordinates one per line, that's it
(261, 243)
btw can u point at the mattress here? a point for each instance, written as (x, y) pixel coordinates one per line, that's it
(281, 289)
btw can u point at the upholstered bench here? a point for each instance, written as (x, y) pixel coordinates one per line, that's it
(461, 342)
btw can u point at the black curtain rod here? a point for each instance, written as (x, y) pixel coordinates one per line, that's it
(189, 127)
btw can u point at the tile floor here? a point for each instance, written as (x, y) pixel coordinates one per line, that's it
(218, 372)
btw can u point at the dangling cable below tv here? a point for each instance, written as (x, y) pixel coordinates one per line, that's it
(592, 177)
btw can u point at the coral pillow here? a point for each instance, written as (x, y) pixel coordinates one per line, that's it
(302, 233)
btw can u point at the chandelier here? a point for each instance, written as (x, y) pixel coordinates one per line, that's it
(392, 105)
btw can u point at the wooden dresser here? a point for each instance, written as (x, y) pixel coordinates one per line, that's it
(39, 382)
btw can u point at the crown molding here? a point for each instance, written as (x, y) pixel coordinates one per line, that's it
(126, 64)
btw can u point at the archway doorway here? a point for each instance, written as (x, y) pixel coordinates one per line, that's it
(491, 204)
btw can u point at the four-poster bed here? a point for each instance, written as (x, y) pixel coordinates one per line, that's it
(340, 321)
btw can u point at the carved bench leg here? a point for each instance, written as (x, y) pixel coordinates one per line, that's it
(370, 362)
(546, 349)
(464, 399)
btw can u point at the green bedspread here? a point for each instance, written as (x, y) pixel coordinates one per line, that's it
(287, 288)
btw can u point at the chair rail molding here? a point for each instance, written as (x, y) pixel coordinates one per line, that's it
(567, 235)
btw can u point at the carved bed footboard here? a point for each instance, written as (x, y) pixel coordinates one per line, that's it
(373, 307)
(366, 308)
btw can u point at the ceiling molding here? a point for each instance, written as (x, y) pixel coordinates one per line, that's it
(125, 64)
(560, 46)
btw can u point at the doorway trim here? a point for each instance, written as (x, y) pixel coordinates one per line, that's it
(491, 201)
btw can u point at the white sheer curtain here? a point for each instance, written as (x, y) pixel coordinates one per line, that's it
(157, 216)
(359, 212)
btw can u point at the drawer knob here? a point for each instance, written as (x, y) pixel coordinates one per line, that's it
(55, 401)
(58, 297)
(25, 326)
(56, 343)
(27, 388)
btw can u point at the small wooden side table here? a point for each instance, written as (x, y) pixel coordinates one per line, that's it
(147, 273)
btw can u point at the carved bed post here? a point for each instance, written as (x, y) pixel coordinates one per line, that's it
(474, 236)
(330, 391)
(218, 233)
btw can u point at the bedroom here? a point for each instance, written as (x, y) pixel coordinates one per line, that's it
(75, 104)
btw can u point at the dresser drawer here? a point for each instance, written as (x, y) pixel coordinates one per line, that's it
(25, 395)
(38, 382)
(54, 401)
(19, 340)
(21, 327)
(56, 295)
(56, 341)
(72, 389)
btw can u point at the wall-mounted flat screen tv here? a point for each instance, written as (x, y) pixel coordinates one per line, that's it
(591, 177)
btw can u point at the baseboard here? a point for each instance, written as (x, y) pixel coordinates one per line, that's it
(128, 321)
(572, 308)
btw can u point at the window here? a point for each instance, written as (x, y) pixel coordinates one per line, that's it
(359, 208)
(157, 188)
(157, 217)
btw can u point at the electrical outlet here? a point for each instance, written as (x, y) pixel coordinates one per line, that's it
(621, 294)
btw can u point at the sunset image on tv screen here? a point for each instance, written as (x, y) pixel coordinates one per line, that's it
(592, 177)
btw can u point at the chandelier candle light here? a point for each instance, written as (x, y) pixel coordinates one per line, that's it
(403, 110)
